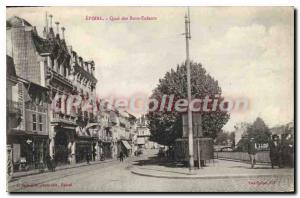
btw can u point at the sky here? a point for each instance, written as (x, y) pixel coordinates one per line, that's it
(249, 50)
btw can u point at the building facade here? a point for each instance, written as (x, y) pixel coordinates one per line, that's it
(48, 62)
(27, 121)
(143, 135)
(58, 116)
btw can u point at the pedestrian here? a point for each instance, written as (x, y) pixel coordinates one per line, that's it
(53, 163)
(48, 162)
(275, 151)
(288, 151)
(121, 156)
(252, 150)
(88, 156)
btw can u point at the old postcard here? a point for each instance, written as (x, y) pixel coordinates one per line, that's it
(150, 99)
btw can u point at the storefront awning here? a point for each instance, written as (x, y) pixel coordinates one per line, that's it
(126, 144)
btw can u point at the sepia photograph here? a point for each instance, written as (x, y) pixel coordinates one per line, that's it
(150, 99)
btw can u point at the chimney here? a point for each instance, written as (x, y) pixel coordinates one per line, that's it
(34, 30)
(45, 34)
(86, 66)
(46, 20)
(80, 61)
(50, 20)
(57, 28)
(63, 32)
(92, 67)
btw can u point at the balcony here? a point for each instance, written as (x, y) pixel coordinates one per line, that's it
(34, 107)
(58, 77)
(63, 118)
(106, 138)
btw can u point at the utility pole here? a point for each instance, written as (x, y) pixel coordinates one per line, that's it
(188, 70)
(46, 20)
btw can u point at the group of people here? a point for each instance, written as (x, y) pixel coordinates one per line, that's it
(281, 151)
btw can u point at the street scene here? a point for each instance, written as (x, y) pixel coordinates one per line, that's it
(150, 99)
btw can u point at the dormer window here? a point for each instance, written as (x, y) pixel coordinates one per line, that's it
(80, 61)
(86, 66)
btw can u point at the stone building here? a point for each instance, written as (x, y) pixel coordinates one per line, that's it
(122, 129)
(56, 78)
(48, 62)
(143, 134)
(105, 135)
(27, 120)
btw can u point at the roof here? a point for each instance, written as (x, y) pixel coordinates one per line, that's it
(17, 22)
(52, 44)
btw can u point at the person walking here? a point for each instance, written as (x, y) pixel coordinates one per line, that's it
(287, 151)
(48, 162)
(121, 156)
(252, 150)
(53, 163)
(88, 157)
(275, 151)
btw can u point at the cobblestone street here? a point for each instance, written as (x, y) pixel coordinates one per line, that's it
(116, 176)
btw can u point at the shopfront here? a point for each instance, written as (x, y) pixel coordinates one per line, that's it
(84, 149)
(29, 151)
(106, 149)
(63, 141)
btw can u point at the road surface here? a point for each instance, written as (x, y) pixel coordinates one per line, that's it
(116, 176)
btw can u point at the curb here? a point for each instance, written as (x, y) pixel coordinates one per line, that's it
(205, 177)
(242, 161)
(60, 169)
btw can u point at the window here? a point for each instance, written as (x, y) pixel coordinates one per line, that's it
(40, 123)
(33, 122)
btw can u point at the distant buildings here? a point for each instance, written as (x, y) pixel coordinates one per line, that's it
(143, 134)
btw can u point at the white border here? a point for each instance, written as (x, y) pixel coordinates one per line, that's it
(109, 3)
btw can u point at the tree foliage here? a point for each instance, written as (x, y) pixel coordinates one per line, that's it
(166, 126)
(259, 131)
(225, 139)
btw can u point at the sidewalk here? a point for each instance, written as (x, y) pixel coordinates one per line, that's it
(218, 169)
(58, 168)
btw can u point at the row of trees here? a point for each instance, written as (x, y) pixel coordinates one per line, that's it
(257, 130)
(225, 139)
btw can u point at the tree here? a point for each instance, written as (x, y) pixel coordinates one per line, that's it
(166, 126)
(259, 131)
(225, 139)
